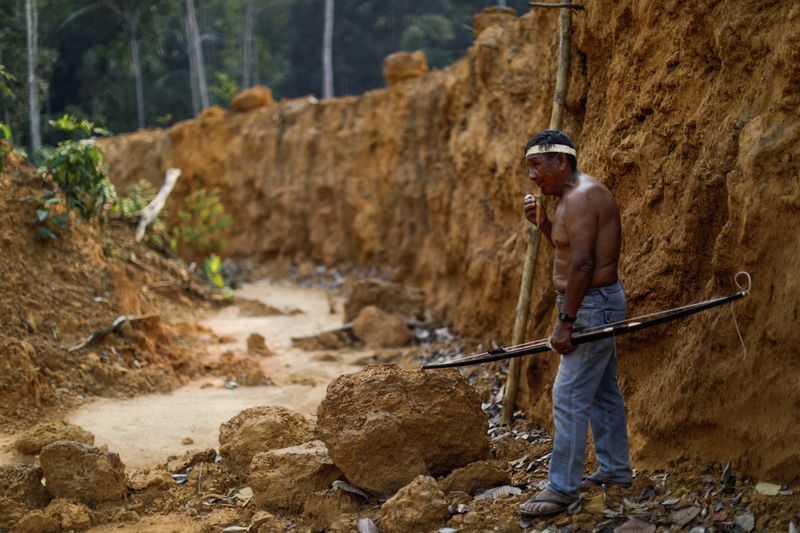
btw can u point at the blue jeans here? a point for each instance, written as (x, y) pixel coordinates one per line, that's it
(586, 391)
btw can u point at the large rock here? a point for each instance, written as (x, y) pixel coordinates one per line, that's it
(20, 490)
(385, 295)
(379, 329)
(84, 473)
(252, 98)
(32, 441)
(475, 476)
(419, 506)
(402, 66)
(384, 426)
(261, 429)
(282, 479)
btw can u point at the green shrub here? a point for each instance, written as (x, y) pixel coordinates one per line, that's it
(76, 166)
(50, 218)
(212, 270)
(136, 198)
(5, 143)
(201, 222)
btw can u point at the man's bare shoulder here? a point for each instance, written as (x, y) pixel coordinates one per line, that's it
(589, 193)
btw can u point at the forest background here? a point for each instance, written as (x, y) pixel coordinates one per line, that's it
(128, 64)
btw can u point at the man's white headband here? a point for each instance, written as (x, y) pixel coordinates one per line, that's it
(550, 148)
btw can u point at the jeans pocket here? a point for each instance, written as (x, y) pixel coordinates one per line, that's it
(611, 315)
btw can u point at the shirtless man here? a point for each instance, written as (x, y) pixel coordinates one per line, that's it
(586, 235)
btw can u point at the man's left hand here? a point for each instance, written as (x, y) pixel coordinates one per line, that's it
(560, 338)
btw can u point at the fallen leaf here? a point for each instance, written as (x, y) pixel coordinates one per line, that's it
(746, 522)
(365, 525)
(636, 525)
(768, 489)
(682, 517)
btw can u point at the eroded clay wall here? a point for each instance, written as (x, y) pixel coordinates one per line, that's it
(687, 111)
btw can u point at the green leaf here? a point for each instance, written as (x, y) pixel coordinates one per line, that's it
(60, 220)
(6, 130)
(44, 233)
(41, 215)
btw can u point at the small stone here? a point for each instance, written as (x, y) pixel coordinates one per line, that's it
(187, 441)
(38, 522)
(419, 506)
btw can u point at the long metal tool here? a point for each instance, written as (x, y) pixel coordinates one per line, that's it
(592, 334)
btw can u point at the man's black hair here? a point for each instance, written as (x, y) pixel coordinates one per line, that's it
(548, 137)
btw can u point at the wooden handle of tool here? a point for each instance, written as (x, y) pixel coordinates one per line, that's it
(538, 208)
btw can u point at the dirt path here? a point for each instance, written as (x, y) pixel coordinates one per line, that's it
(147, 429)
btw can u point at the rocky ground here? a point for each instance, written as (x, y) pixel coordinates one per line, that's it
(336, 428)
(389, 448)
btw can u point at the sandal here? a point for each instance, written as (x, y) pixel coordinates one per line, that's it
(548, 497)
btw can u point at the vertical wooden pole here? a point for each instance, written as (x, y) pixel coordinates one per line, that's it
(529, 270)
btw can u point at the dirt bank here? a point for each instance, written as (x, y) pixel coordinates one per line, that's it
(55, 293)
(688, 112)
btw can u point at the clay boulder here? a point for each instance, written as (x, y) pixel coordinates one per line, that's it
(384, 426)
(402, 66)
(492, 16)
(419, 506)
(41, 435)
(379, 329)
(252, 98)
(261, 429)
(388, 296)
(79, 472)
(282, 479)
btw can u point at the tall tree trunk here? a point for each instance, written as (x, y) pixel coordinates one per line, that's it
(192, 70)
(248, 49)
(132, 28)
(32, 21)
(327, 52)
(197, 52)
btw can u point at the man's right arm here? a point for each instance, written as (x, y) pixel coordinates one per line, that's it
(542, 222)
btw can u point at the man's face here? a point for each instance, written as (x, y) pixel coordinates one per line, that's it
(546, 172)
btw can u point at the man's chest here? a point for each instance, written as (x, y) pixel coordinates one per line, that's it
(558, 233)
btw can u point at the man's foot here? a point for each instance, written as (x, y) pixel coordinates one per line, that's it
(545, 503)
(591, 482)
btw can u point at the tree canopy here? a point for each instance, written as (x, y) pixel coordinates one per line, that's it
(127, 63)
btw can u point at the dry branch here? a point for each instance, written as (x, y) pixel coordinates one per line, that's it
(151, 211)
(102, 332)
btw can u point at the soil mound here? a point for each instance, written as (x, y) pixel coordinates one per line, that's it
(384, 426)
(56, 293)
